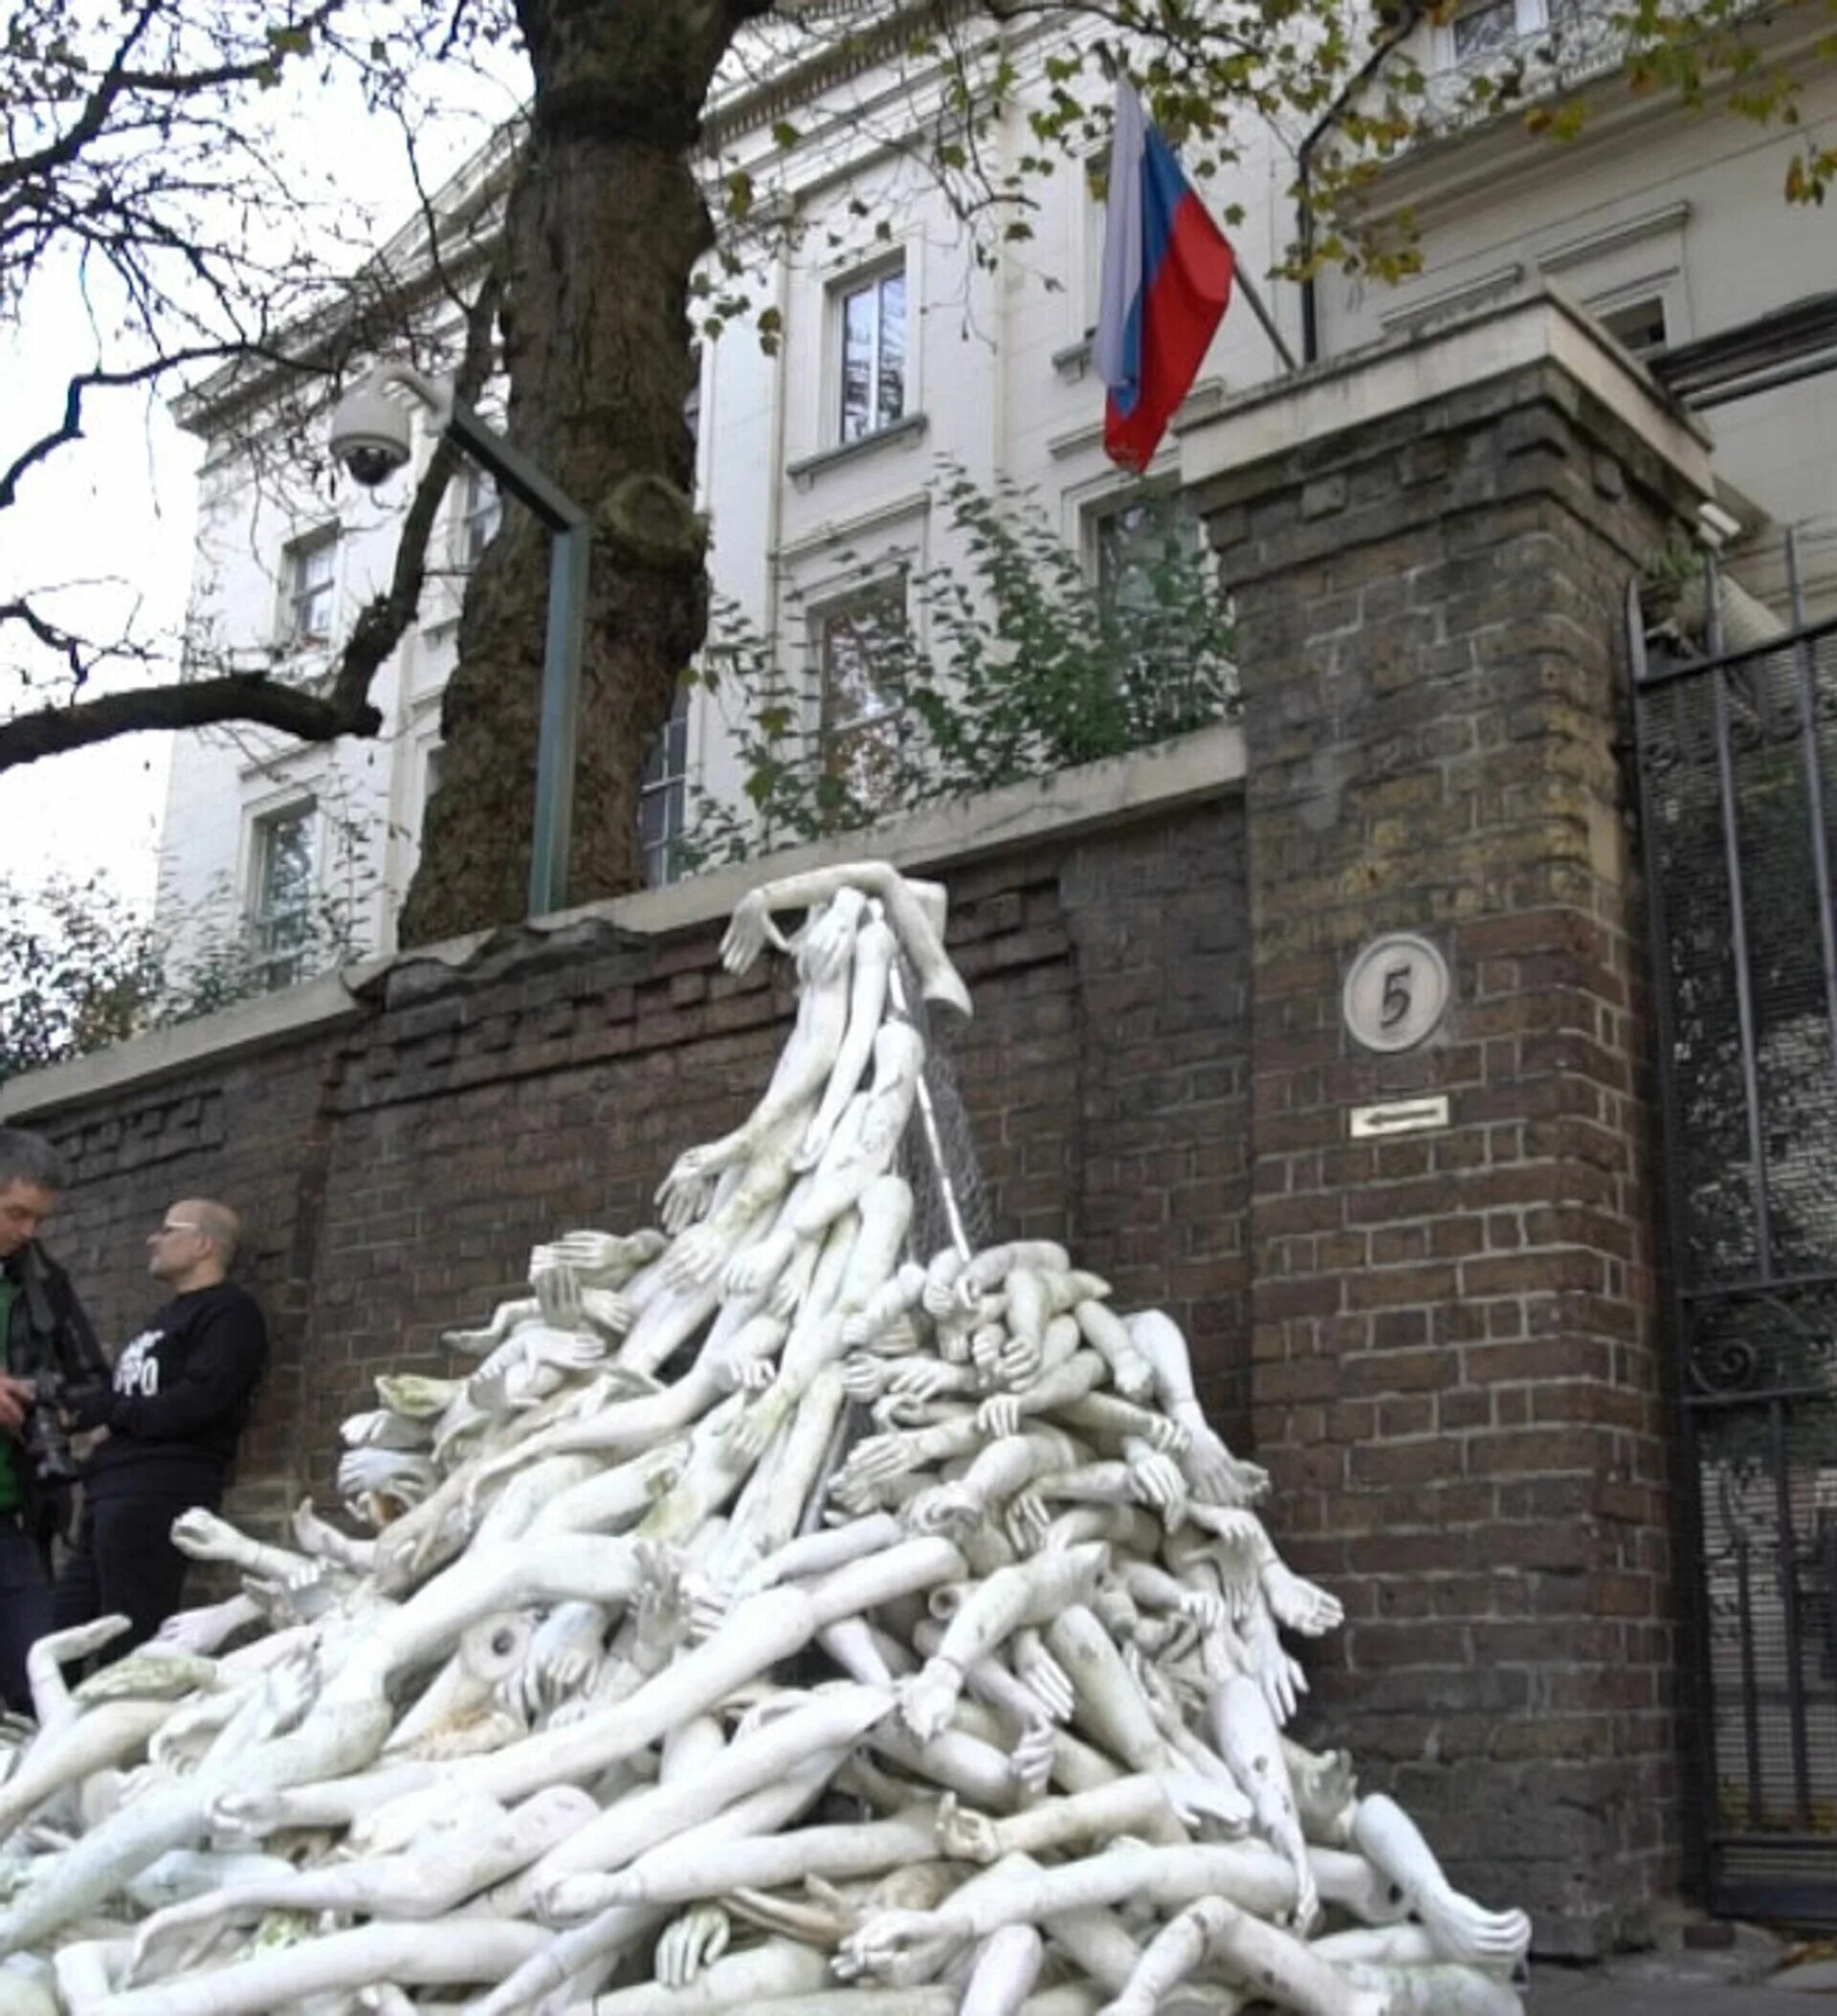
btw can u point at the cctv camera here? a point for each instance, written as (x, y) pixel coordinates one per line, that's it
(372, 434)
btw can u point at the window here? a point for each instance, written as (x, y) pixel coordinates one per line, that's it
(310, 585)
(281, 904)
(873, 317)
(661, 793)
(1638, 326)
(480, 510)
(1134, 545)
(1495, 27)
(1481, 31)
(1165, 624)
(860, 645)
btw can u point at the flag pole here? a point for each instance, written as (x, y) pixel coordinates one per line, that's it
(1247, 287)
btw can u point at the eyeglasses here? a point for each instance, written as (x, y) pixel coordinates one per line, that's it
(163, 1231)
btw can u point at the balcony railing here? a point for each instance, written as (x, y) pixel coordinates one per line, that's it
(1512, 66)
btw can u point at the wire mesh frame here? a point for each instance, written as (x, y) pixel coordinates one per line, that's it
(1748, 1085)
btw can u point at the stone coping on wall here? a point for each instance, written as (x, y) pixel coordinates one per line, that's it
(1206, 764)
(1415, 367)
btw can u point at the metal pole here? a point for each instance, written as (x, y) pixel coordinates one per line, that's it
(569, 554)
(556, 740)
(1248, 288)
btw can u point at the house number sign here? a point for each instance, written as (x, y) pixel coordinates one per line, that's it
(1396, 993)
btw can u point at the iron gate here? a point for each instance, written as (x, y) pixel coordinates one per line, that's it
(1738, 759)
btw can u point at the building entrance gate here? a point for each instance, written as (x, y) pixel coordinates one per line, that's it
(1738, 759)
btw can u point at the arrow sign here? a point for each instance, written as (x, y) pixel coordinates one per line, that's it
(1399, 1116)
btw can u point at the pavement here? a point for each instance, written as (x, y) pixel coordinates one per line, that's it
(1675, 1984)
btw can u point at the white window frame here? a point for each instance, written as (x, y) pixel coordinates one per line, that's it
(663, 783)
(860, 280)
(296, 595)
(283, 966)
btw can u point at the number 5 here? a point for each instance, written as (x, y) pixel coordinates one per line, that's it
(1395, 1003)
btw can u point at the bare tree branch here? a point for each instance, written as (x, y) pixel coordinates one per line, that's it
(342, 706)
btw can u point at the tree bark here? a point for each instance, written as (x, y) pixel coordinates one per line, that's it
(604, 226)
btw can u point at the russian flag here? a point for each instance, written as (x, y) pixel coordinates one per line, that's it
(1166, 280)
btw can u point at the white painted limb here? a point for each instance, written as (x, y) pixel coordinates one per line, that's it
(1461, 1928)
(479, 1845)
(874, 951)
(1033, 1592)
(1005, 1969)
(827, 1723)
(467, 1950)
(916, 911)
(108, 1736)
(688, 1867)
(1244, 1733)
(52, 1703)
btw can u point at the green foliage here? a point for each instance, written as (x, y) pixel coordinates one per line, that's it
(81, 971)
(953, 681)
(85, 970)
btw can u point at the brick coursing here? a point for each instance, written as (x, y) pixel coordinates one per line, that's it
(1457, 1379)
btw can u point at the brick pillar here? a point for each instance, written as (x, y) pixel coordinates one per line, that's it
(1458, 1381)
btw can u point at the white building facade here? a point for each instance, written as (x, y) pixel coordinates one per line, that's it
(898, 351)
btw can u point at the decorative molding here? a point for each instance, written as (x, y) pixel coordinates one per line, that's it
(1492, 284)
(1615, 237)
(909, 428)
(911, 504)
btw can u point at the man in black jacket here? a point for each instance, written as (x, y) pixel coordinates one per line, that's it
(48, 1356)
(170, 1422)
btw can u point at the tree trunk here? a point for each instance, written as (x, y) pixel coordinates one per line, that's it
(604, 226)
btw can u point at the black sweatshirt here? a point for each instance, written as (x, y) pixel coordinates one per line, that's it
(180, 1396)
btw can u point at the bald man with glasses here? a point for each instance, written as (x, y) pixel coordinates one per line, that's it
(170, 1420)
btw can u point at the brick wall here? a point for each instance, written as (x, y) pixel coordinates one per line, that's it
(1457, 1382)
(396, 1168)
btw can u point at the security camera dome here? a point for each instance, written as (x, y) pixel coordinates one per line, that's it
(372, 434)
(372, 462)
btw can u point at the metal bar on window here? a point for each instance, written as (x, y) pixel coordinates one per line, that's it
(1745, 1018)
(1806, 687)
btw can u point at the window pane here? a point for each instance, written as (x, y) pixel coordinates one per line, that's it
(309, 575)
(1640, 325)
(1135, 543)
(286, 864)
(857, 643)
(1483, 30)
(662, 795)
(892, 402)
(280, 925)
(857, 363)
(865, 760)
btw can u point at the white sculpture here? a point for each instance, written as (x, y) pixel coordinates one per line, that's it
(540, 1722)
